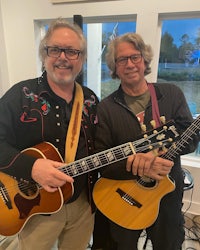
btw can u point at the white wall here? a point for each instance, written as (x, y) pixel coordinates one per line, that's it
(18, 51)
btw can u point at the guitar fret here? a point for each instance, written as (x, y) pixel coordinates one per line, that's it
(70, 169)
(118, 153)
(115, 154)
(84, 165)
(107, 157)
(74, 169)
(103, 159)
(90, 163)
(78, 167)
(96, 161)
(110, 156)
(126, 151)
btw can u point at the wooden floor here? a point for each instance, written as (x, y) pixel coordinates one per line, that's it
(192, 237)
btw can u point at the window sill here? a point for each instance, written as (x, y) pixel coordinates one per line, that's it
(190, 161)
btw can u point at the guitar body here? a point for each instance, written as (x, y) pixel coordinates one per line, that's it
(47, 150)
(21, 200)
(129, 203)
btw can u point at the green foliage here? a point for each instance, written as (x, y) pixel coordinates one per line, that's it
(180, 75)
(171, 53)
(168, 50)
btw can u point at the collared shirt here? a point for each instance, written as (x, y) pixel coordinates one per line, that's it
(31, 113)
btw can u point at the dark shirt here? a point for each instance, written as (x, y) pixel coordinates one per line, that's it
(31, 113)
(118, 124)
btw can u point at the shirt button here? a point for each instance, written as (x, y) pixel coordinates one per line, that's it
(57, 107)
(57, 140)
(57, 115)
(58, 123)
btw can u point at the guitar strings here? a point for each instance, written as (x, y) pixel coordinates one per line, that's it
(100, 161)
(174, 150)
(119, 154)
(24, 187)
(138, 149)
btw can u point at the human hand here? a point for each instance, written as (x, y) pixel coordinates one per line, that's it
(148, 164)
(46, 173)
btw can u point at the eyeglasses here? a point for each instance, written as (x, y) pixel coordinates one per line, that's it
(55, 52)
(136, 58)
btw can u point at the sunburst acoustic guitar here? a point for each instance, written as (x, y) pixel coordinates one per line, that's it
(134, 204)
(19, 200)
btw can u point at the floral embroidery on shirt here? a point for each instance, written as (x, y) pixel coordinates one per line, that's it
(88, 103)
(45, 107)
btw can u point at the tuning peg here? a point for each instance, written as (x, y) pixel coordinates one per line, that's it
(153, 123)
(143, 127)
(163, 119)
(155, 152)
(164, 149)
(174, 145)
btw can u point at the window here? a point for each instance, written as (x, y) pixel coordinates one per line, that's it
(179, 61)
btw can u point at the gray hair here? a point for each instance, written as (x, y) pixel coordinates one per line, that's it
(137, 41)
(62, 23)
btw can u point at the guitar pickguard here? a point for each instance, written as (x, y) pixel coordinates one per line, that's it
(25, 206)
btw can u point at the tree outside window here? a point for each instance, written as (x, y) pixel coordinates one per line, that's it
(179, 61)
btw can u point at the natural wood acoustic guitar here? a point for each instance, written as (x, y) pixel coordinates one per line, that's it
(134, 204)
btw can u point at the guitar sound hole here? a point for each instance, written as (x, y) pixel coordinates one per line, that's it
(146, 182)
(28, 189)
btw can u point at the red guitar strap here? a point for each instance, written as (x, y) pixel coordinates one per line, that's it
(155, 109)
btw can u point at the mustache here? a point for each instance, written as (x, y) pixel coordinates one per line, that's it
(64, 65)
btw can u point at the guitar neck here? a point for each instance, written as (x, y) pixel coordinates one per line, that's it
(99, 160)
(185, 137)
(154, 139)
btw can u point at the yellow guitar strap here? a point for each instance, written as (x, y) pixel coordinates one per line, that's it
(73, 132)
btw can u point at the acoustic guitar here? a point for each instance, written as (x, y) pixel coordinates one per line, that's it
(134, 204)
(20, 200)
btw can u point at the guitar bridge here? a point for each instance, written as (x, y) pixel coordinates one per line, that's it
(126, 197)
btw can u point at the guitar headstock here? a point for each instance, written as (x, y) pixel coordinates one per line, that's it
(160, 138)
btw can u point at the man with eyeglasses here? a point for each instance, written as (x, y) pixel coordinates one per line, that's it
(122, 117)
(54, 117)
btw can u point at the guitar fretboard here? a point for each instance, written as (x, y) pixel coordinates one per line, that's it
(99, 160)
(155, 139)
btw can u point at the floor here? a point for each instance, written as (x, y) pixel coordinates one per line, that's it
(192, 237)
